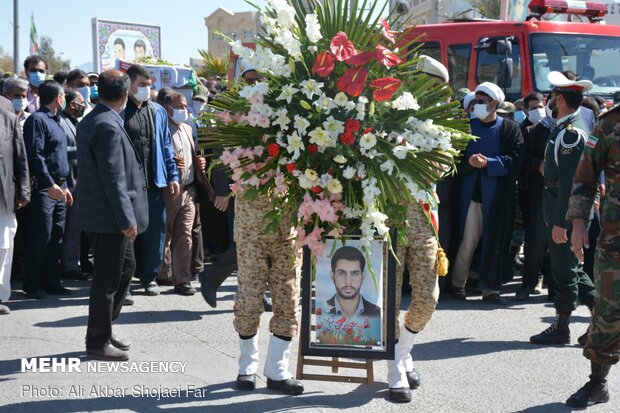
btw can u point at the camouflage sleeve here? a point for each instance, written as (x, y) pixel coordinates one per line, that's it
(585, 181)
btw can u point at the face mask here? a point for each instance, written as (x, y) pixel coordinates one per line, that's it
(85, 92)
(94, 92)
(36, 78)
(19, 104)
(198, 107)
(481, 111)
(472, 115)
(536, 115)
(63, 105)
(519, 116)
(179, 116)
(124, 105)
(143, 94)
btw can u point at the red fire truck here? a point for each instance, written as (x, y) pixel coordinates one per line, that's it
(517, 55)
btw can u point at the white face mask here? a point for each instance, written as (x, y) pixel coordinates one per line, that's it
(143, 94)
(548, 110)
(179, 116)
(536, 115)
(472, 115)
(481, 111)
(198, 107)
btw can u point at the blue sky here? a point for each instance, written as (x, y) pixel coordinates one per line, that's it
(68, 23)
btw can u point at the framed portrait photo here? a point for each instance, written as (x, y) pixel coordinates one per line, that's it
(349, 300)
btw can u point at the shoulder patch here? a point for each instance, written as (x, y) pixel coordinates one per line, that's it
(591, 142)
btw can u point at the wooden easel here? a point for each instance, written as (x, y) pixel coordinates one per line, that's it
(335, 363)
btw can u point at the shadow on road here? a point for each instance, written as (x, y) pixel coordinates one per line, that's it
(549, 408)
(138, 317)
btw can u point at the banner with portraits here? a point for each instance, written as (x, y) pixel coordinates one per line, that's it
(349, 300)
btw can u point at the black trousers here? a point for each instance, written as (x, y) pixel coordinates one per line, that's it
(44, 224)
(115, 265)
(535, 240)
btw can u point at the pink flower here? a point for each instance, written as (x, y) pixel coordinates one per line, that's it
(325, 211)
(225, 117)
(387, 31)
(239, 118)
(336, 232)
(237, 172)
(313, 241)
(386, 57)
(226, 157)
(341, 47)
(258, 150)
(255, 98)
(237, 187)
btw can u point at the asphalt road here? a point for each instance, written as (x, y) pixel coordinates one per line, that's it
(473, 357)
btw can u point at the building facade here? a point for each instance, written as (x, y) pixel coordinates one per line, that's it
(434, 11)
(242, 26)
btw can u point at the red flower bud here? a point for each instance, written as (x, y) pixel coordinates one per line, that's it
(316, 189)
(313, 148)
(352, 125)
(347, 138)
(367, 130)
(291, 167)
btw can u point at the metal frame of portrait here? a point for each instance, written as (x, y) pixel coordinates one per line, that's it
(383, 349)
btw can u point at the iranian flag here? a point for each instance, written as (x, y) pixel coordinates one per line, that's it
(34, 37)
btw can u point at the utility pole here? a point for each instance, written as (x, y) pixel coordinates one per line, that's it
(16, 36)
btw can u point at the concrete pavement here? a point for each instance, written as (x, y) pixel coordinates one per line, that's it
(473, 357)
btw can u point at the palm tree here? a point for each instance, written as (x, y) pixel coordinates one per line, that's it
(491, 9)
(212, 66)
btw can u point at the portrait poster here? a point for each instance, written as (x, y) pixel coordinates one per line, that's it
(131, 42)
(349, 309)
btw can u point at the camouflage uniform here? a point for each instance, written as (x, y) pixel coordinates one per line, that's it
(420, 257)
(602, 153)
(265, 259)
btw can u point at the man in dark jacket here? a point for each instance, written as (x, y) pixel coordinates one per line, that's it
(113, 210)
(14, 194)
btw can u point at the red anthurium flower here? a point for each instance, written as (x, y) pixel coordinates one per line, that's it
(316, 189)
(385, 88)
(352, 125)
(386, 57)
(360, 59)
(341, 47)
(291, 167)
(273, 149)
(347, 138)
(387, 31)
(353, 81)
(324, 64)
(313, 148)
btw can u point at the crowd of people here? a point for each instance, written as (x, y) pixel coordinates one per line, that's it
(101, 175)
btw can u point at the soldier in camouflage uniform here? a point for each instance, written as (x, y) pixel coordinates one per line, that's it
(265, 260)
(602, 153)
(566, 142)
(420, 258)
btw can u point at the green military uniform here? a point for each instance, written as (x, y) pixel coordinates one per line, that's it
(602, 154)
(562, 155)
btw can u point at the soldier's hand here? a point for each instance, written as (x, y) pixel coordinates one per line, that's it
(131, 233)
(541, 168)
(179, 161)
(579, 238)
(221, 203)
(68, 197)
(56, 193)
(558, 235)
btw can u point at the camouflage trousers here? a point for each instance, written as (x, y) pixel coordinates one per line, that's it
(420, 257)
(265, 260)
(603, 346)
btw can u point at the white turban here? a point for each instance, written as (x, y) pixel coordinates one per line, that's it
(468, 98)
(434, 67)
(492, 90)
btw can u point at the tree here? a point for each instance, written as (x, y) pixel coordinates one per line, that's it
(55, 63)
(491, 9)
(6, 61)
(211, 66)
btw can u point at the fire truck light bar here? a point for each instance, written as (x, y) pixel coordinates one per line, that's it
(582, 8)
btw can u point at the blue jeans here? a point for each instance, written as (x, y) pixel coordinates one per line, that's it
(151, 242)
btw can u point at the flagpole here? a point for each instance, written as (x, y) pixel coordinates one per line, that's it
(16, 36)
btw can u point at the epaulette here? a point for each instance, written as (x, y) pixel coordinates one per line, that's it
(615, 109)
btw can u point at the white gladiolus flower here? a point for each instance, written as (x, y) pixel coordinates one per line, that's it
(281, 118)
(349, 172)
(287, 93)
(387, 166)
(406, 101)
(313, 28)
(321, 138)
(368, 141)
(311, 87)
(325, 180)
(295, 145)
(341, 99)
(340, 159)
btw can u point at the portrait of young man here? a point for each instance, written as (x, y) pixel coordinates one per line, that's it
(347, 317)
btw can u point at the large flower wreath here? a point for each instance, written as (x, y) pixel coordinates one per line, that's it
(345, 132)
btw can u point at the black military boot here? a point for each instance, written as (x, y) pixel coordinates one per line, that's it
(595, 391)
(557, 333)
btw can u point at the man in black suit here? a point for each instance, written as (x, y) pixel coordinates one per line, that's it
(113, 210)
(14, 194)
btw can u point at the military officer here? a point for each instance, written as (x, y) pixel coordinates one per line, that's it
(564, 148)
(603, 343)
(420, 258)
